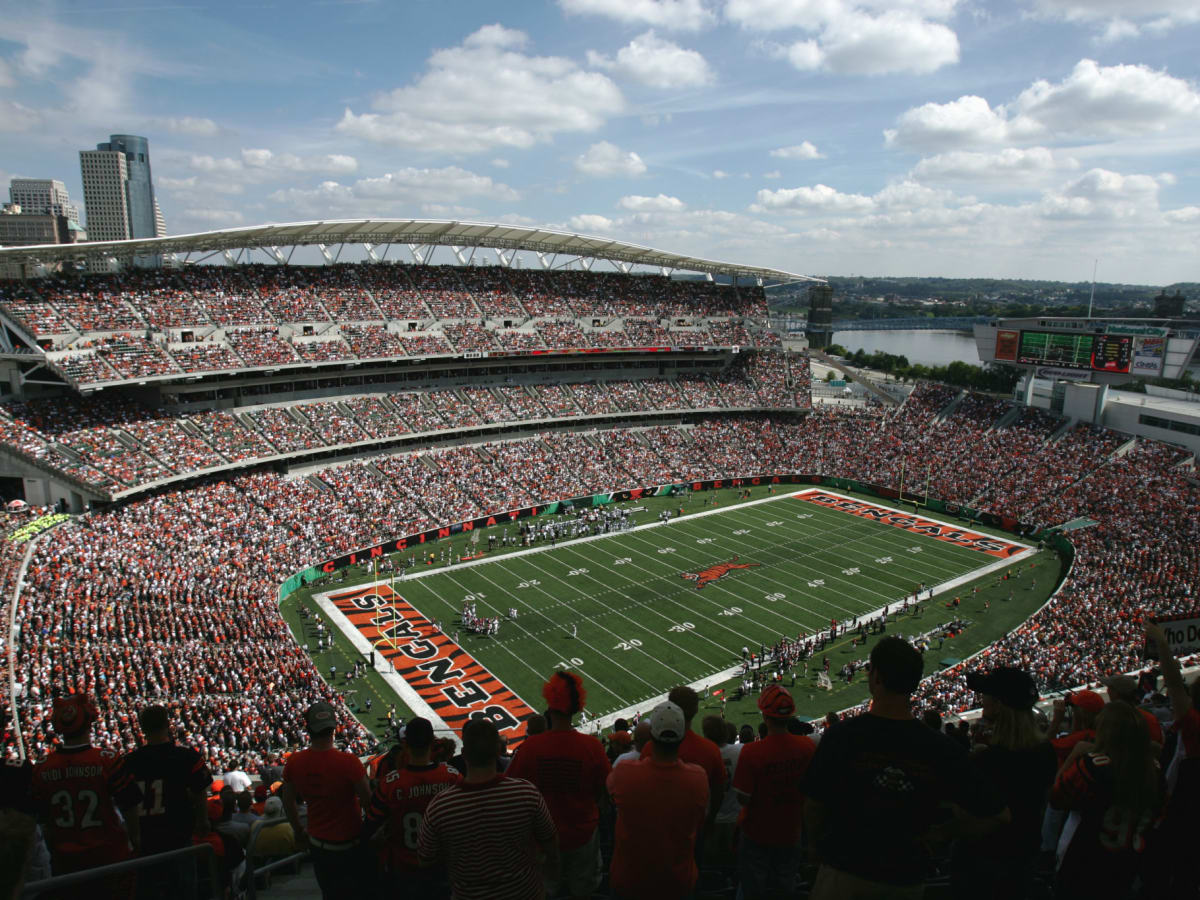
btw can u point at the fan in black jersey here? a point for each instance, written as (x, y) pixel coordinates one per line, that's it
(174, 781)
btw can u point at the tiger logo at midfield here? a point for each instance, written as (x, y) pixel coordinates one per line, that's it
(712, 573)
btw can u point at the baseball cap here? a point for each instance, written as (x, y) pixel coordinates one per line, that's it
(776, 703)
(261, 793)
(1012, 687)
(320, 718)
(216, 808)
(1121, 685)
(73, 713)
(1089, 700)
(667, 723)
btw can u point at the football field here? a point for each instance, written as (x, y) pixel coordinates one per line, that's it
(637, 612)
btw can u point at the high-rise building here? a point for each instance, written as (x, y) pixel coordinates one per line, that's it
(43, 197)
(118, 190)
(105, 195)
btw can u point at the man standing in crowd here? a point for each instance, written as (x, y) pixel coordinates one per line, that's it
(875, 786)
(661, 805)
(173, 781)
(400, 801)
(700, 751)
(569, 769)
(78, 789)
(768, 781)
(641, 737)
(488, 829)
(334, 785)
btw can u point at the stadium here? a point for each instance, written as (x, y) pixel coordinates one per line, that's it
(240, 485)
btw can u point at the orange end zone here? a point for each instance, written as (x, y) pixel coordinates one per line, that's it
(943, 531)
(446, 677)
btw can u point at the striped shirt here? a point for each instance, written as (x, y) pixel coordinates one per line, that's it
(488, 835)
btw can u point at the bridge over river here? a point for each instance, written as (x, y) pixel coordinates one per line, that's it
(916, 323)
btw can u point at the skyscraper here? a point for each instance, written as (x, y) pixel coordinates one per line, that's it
(42, 196)
(118, 193)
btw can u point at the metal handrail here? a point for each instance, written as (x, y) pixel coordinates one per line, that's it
(58, 882)
(251, 869)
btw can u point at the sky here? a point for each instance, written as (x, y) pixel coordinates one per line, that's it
(986, 138)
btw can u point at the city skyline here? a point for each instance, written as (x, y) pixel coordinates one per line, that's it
(924, 137)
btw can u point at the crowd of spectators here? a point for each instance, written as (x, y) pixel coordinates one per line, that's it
(261, 347)
(205, 357)
(357, 418)
(151, 583)
(323, 350)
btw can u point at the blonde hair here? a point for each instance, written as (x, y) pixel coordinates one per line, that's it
(1014, 729)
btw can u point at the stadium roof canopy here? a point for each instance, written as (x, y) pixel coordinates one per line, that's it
(375, 233)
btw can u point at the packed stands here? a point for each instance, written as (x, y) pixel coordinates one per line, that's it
(244, 681)
(129, 326)
(261, 347)
(372, 341)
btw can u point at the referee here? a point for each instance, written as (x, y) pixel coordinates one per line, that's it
(334, 785)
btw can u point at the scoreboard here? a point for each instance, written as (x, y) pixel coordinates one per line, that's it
(1093, 352)
(1112, 353)
(1050, 348)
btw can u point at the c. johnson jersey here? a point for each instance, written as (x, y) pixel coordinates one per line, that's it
(401, 798)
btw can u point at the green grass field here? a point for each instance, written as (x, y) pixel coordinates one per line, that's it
(642, 628)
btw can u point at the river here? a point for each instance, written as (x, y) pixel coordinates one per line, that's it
(930, 348)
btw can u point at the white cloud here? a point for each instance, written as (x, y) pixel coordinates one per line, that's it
(500, 163)
(863, 44)
(218, 217)
(661, 203)
(16, 117)
(818, 197)
(1103, 194)
(336, 163)
(1093, 100)
(486, 93)
(656, 62)
(1009, 165)
(190, 126)
(682, 15)
(604, 160)
(1108, 100)
(719, 174)
(392, 192)
(803, 150)
(591, 223)
(1118, 30)
(1183, 215)
(773, 174)
(6, 79)
(781, 15)
(1121, 18)
(967, 121)
(856, 38)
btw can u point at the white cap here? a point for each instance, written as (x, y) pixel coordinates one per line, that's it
(667, 724)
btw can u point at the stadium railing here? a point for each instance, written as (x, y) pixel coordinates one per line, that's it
(255, 871)
(78, 882)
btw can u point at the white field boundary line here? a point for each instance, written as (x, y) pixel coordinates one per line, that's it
(383, 667)
(414, 701)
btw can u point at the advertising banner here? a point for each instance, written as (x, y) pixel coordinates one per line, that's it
(1148, 356)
